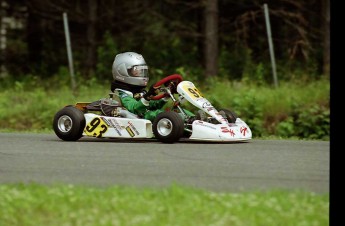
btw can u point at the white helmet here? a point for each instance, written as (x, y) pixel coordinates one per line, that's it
(130, 68)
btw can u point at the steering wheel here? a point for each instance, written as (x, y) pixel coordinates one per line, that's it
(175, 78)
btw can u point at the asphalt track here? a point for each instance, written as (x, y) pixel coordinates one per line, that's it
(232, 167)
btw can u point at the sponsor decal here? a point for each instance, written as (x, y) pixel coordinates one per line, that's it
(243, 130)
(130, 131)
(96, 127)
(206, 105)
(226, 130)
(114, 124)
(130, 124)
(106, 121)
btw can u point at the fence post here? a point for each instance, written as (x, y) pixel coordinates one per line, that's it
(69, 52)
(270, 43)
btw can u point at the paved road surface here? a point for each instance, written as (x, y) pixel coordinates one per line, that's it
(253, 165)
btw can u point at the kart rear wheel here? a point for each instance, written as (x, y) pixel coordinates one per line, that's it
(168, 127)
(69, 123)
(230, 115)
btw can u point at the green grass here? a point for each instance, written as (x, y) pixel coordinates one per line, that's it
(291, 110)
(36, 205)
(272, 101)
(30, 107)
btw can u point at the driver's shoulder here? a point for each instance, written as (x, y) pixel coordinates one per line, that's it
(123, 93)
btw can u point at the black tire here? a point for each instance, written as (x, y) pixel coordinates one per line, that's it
(230, 115)
(69, 123)
(168, 127)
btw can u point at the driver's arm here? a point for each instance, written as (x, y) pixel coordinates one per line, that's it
(138, 107)
(157, 104)
(153, 104)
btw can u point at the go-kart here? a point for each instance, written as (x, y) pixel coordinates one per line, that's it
(107, 118)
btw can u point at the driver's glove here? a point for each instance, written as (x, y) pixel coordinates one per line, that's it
(137, 96)
(166, 98)
(152, 92)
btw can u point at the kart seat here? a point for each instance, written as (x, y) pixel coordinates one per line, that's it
(110, 107)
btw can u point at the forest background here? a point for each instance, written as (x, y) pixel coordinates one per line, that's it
(218, 44)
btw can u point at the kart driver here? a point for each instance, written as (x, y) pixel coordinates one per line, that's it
(130, 73)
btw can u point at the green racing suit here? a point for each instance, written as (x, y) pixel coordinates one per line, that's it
(143, 108)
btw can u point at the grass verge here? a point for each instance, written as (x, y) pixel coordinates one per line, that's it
(34, 204)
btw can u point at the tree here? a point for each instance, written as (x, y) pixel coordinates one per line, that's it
(211, 37)
(326, 37)
(198, 37)
(91, 36)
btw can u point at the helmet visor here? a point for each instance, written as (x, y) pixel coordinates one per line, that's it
(138, 71)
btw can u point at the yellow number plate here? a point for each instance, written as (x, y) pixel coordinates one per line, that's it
(96, 127)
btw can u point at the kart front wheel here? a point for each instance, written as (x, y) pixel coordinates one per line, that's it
(230, 115)
(69, 123)
(168, 127)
